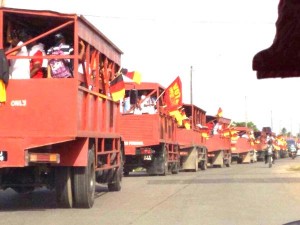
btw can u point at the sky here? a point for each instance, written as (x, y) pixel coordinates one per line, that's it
(163, 39)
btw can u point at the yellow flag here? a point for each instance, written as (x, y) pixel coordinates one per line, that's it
(2, 91)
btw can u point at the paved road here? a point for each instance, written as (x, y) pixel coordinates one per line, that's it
(240, 195)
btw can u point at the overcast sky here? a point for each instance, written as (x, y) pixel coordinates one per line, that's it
(163, 39)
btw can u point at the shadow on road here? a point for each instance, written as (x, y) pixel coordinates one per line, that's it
(39, 200)
(293, 223)
(271, 180)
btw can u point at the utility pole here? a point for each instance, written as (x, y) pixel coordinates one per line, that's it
(191, 85)
(271, 121)
(246, 116)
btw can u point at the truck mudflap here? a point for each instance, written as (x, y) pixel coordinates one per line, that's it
(192, 158)
(220, 158)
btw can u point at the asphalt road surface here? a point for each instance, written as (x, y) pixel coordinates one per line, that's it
(239, 195)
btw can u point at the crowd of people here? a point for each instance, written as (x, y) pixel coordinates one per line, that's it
(36, 66)
(142, 104)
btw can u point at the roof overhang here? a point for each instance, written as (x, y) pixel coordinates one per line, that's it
(282, 59)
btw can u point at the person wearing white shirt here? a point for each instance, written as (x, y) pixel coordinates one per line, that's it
(19, 68)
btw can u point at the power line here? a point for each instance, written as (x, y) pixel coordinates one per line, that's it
(153, 19)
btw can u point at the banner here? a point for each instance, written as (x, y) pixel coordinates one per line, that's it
(173, 95)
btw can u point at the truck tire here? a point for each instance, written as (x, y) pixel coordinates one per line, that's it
(63, 187)
(84, 183)
(165, 160)
(270, 161)
(203, 164)
(23, 190)
(228, 162)
(115, 184)
(175, 169)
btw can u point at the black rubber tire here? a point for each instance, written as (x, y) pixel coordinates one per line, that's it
(115, 184)
(270, 161)
(126, 173)
(175, 169)
(84, 183)
(23, 190)
(63, 187)
(165, 160)
(203, 165)
(228, 162)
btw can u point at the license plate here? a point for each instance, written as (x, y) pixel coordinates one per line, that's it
(147, 157)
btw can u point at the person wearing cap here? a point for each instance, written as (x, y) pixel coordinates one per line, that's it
(60, 47)
(19, 68)
(60, 43)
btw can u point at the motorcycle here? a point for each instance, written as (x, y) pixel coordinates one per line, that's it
(293, 154)
(293, 151)
(269, 153)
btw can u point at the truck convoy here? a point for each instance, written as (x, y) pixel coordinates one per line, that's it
(61, 134)
(68, 134)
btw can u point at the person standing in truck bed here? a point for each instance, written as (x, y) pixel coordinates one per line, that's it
(19, 68)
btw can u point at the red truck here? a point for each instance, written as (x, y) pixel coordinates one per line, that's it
(62, 134)
(193, 150)
(243, 150)
(149, 132)
(218, 145)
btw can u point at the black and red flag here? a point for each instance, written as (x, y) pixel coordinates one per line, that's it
(133, 75)
(117, 88)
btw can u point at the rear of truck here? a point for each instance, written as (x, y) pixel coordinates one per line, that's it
(149, 135)
(59, 133)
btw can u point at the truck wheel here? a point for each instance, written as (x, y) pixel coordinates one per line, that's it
(23, 190)
(203, 165)
(115, 184)
(126, 173)
(228, 162)
(84, 183)
(270, 161)
(63, 187)
(175, 169)
(165, 160)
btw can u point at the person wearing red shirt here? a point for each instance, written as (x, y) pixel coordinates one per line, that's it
(36, 50)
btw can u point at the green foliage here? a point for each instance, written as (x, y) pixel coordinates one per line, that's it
(243, 124)
(283, 131)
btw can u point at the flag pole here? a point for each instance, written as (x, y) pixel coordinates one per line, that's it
(160, 96)
(191, 85)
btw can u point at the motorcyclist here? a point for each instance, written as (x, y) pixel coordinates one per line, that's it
(269, 141)
(293, 150)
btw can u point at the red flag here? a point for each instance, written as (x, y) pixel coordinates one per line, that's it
(117, 88)
(173, 95)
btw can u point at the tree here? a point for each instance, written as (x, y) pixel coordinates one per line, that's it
(283, 131)
(243, 124)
